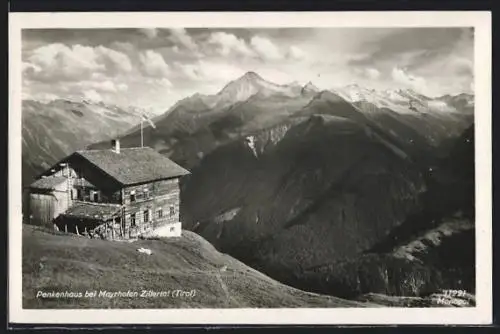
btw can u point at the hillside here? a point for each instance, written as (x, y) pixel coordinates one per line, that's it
(57, 128)
(297, 203)
(57, 262)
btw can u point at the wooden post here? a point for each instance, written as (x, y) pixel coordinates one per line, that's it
(113, 229)
(76, 227)
(66, 228)
(106, 229)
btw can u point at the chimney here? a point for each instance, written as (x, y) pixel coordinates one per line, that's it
(116, 145)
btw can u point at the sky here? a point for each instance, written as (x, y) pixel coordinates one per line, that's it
(154, 68)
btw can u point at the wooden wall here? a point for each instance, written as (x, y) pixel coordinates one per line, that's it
(41, 208)
(163, 195)
(44, 206)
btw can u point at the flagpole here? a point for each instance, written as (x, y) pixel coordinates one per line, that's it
(142, 139)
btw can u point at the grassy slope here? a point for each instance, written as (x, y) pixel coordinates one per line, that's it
(57, 262)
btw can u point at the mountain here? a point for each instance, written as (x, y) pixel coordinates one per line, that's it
(249, 84)
(309, 88)
(196, 125)
(311, 186)
(414, 120)
(57, 128)
(431, 249)
(315, 200)
(57, 262)
(405, 101)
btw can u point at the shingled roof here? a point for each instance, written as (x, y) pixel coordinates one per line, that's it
(133, 165)
(48, 183)
(95, 211)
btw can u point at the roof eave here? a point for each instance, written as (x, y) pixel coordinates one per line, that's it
(126, 184)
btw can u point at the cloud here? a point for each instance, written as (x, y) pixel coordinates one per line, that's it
(163, 82)
(181, 37)
(46, 97)
(61, 61)
(153, 64)
(265, 48)
(56, 61)
(149, 32)
(461, 66)
(126, 47)
(368, 73)
(372, 73)
(408, 80)
(122, 87)
(421, 45)
(113, 60)
(106, 86)
(229, 43)
(92, 95)
(210, 71)
(296, 53)
(131, 66)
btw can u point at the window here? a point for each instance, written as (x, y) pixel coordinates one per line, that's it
(172, 229)
(132, 196)
(146, 193)
(79, 194)
(133, 221)
(146, 216)
(159, 213)
(172, 210)
(96, 196)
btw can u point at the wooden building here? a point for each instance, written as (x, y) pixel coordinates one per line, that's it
(110, 194)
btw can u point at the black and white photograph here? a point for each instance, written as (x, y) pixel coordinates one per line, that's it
(253, 166)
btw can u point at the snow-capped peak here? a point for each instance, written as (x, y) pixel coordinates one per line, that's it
(355, 93)
(310, 87)
(248, 85)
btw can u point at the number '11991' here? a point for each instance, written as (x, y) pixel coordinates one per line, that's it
(455, 293)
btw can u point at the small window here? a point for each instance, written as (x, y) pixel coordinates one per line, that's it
(96, 196)
(172, 229)
(133, 221)
(132, 197)
(159, 213)
(146, 216)
(172, 210)
(79, 194)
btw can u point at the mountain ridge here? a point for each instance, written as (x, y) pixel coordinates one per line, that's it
(250, 102)
(57, 128)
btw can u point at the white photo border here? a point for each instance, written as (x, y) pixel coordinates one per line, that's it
(479, 20)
